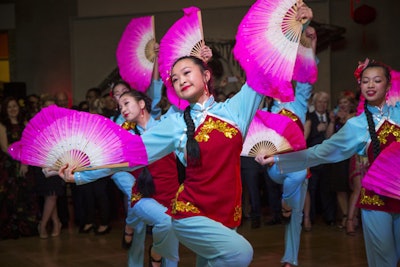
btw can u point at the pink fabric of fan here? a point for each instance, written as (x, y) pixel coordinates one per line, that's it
(271, 133)
(56, 136)
(305, 67)
(383, 176)
(267, 42)
(393, 95)
(183, 38)
(135, 53)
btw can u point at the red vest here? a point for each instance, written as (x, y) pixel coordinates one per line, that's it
(165, 176)
(387, 133)
(293, 116)
(214, 188)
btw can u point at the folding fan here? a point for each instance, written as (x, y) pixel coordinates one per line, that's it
(135, 53)
(383, 175)
(56, 136)
(305, 67)
(267, 41)
(393, 95)
(183, 38)
(271, 134)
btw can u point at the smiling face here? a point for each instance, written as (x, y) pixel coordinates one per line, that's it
(374, 85)
(345, 104)
(190, 81)
(12, 109)
(130, 108)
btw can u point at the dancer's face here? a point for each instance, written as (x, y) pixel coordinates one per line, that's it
(189, 81)
(118, 90)
(130, 108)
(374, 85)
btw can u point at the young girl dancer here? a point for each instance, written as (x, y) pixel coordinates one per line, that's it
(365, 135)
(294, 183)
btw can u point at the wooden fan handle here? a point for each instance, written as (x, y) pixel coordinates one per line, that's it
(106, 166)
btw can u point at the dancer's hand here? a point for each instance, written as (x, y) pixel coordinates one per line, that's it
(66, 173)
(263, 160)
(312, 35)
(206, 53)
(304, 13)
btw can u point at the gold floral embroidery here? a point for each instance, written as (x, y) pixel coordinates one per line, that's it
(368, 200)
(182, 206)
(386, 129)
(289, 114)
(136, 197)
(128, 125)
(238, 214)
(210, 125)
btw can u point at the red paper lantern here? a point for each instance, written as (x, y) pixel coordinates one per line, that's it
(364, 14)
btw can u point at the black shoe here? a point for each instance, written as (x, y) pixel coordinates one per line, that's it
(106, 231)
(125, 244)
(285, 216)
(152, 260)
(255, 223)
(87, 230)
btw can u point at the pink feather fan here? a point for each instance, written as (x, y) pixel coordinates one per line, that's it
(135, 53)
(383, 176)
(57, 136)
(266, 44)
(271, 134)
(185, 37)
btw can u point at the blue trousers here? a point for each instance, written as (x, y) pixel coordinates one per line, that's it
(294, 194)
(382, 237)
(215, 244)
(148, 211)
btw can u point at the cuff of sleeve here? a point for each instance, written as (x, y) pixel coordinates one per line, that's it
(78, 178)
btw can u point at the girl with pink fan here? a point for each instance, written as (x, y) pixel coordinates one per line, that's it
(294, 183)
(370, 134)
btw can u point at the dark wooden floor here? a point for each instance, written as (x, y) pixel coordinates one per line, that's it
(324, 246)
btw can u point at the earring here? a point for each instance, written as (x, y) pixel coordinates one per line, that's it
(206, 89)
(142, 112)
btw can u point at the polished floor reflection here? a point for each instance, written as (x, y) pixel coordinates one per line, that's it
(323, 246)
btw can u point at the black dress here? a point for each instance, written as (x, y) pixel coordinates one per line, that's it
(19, 209)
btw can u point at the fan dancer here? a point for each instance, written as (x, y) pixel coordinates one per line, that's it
(126, 181)
(153, 190)
(380, 215)
(294, 183)
(123, 179)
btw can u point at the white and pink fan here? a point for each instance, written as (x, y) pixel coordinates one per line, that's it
(305, 67)
(393, 95)
(56, 136)
(185, 37)
(267, 42)
(383, 176)
(271, 134)
(135, 53)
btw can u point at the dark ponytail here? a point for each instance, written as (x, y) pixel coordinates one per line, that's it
(376, 145)
(192, 147)
(145, 182)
